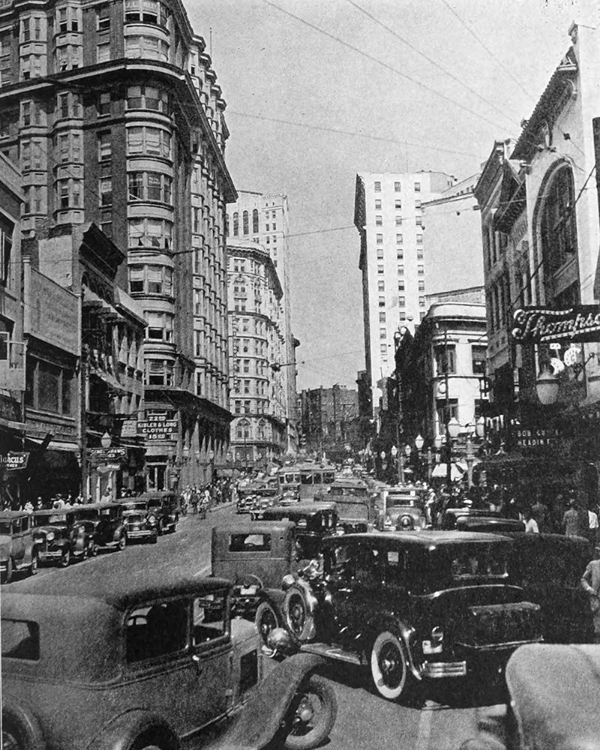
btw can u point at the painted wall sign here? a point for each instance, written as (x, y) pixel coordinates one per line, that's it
(536, 325)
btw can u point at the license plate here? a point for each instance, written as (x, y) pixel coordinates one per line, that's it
(248, 590)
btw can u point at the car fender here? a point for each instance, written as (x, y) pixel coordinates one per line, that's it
(407, 633)
(275, 597)
(123, 731)
(30, 731)
(260, 719)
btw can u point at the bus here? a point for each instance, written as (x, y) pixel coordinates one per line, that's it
(307, 479)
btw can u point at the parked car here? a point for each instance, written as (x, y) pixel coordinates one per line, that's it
(264, 498)
(549, 568)
(104, 522)
(411, 607)
(348, 486)
(165, 505)
(402, 509)
(128, 665)
(60, 537)
(18, 550)
(551, 691)
(477, 519)
(246, 497)
(141, 521)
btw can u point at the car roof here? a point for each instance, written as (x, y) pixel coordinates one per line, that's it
(300, 508)
(120, 592)
(154, 494)
(54, 511)
(429, 539)
(95, 506)
(9, 515)
(254, 527)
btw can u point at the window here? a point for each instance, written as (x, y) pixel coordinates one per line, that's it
(445, 359)
(151, 232)
(379, 221)
(382, 302)
(49, 387)
(398, 221)
(68, 104)
(377, 187)
(255, 225)
(150, 186)
(149, 141)
(419, 221)
(104, 146)
(446, 410)
(156, 631)
(148, 97)
(33, 154)
(160, 326)
(382, 317)
(33, 66)
(69, 193)
(148, 47)
(398, 204)
(31, 114)
(103, 17)
(69, 147)
(400, 270)
(401, 301)
(421, 285)
(419, 253)
(67, 19)
(420, 271)
(145, 11)
(102, 52)
(382, 333)
(417, 187)
(380, 252)
(104, 102)
(380, 269)
(34, 200)
(6, 245)
(68, 57)
(381, 285)
(378, 204)
(236, 224)
(379, 239)
(397, 187)
(105, 191)
(421, 301)
(478, 359)
(399, 238)
(383, 348)
(401, 285)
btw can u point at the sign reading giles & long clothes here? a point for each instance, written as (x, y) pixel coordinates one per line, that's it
(537, 325)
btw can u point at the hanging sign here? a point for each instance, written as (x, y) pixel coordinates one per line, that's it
(14, 460)
(536, 325)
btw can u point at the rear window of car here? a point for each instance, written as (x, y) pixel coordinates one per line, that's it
(20, 639)
(250, 543)
(156, 630)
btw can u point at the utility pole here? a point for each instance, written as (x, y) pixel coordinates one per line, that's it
(447, 414)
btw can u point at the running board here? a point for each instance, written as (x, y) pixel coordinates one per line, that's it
(332, 652)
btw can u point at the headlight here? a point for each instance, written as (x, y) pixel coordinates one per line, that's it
(436, 644)
(50, 536)
(152, 519)
(405, 522)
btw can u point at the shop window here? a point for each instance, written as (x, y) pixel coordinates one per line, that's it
(478, 359)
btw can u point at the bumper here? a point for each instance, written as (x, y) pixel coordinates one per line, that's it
(436, 670)
(54, 554)
(141, 533)
(3, 565)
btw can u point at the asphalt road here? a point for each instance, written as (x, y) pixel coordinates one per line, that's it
(441, 720)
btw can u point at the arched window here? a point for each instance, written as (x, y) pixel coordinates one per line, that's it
(236, 224)
(245, 222)
(255, 221)
(226, 225)
(558, 240)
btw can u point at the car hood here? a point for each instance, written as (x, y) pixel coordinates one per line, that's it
(56, 527)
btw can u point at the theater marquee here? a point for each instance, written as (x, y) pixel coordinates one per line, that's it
(537, 325)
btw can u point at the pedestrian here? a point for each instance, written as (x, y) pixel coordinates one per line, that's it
(590, 583)
(539, 513)
(592, 531)
(28, 507)
(531, 525)
(570, 522)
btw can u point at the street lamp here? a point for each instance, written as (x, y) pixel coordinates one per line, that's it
(547, 387)
(419, 443)
(452, 430)
(407, 452)
(106, 441)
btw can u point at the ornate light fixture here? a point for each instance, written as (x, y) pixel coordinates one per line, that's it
(547, 387)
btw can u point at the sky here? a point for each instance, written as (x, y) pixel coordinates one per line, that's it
(320, 90)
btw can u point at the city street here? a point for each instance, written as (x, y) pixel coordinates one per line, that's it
(442, 722)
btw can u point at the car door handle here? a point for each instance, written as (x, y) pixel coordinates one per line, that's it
(197, 663)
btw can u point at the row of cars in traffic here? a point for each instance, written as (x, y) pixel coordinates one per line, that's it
(63, 535)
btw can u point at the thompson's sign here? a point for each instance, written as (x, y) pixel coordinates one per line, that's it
(537, 325)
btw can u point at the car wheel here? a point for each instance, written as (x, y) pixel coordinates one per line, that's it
(20, 730)
(298, 619)
(390, 671)
(65, 559)
(154, 538)
(93, 550)
(33, 568)
(312, 714)
(266, 620)
(122, 542)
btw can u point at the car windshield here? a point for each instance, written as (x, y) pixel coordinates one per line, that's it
(350, 509)
(5, 527)
(47, 520)
(88, 515)
(135, 506)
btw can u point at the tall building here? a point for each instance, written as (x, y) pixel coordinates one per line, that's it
(330, 421)
(115, 116)
(388, 214)
(257, 344)
(263, 218)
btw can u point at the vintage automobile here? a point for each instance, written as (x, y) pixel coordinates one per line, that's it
(104, 522)
(164, 505)
(355, 514)
(17, 549)
(313, 521)
(550, 690)
(60, 537)
(264, 498)
(348, 486)
(141, 521)
(410, 607)
(148, 664)
(246, 497)
(402, 509)
(477, 519)
(549, 567)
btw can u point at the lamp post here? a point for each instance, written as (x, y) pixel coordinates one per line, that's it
(452, 430)
(400, 467)
(407, 452)
(547, 386)
(419, 442)
(470, 457)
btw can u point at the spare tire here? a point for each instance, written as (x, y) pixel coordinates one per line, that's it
(20, 729)
(298, 613)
